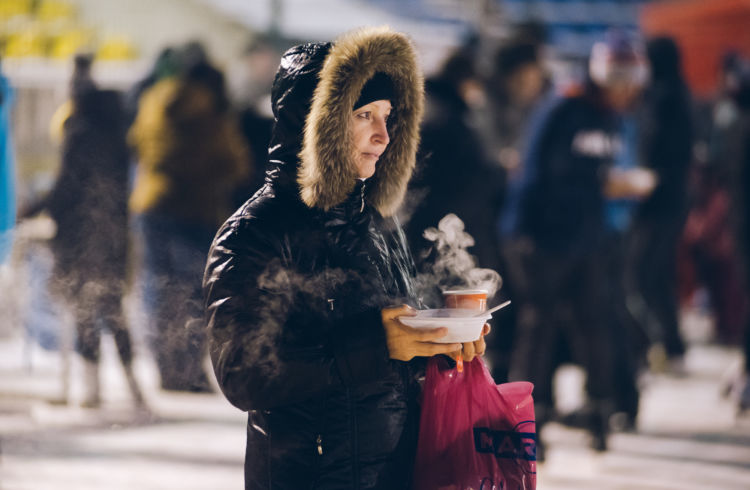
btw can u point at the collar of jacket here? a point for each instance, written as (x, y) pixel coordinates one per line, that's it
(354, 207)
(314, 92)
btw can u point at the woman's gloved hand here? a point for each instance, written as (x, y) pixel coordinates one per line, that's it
(405, 343)
(469, 350)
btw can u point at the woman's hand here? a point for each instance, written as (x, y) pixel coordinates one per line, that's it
(405, 343)
(470, 350)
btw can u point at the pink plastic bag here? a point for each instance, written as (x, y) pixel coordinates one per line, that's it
(474, 434)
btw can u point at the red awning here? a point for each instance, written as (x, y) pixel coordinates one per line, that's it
(704, 30)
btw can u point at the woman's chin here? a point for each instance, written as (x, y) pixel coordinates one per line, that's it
(366, 169)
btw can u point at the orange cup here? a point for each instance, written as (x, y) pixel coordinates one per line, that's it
(470, 299)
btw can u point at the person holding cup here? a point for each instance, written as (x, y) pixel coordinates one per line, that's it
(300, 281)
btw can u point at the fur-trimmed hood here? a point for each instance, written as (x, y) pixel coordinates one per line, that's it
(314, 92)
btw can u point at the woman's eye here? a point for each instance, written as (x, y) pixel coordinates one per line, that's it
(364, 115)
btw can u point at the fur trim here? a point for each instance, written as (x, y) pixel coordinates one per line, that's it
(327, 173)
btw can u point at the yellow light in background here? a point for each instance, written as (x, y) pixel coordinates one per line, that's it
(69, 42)
(12, 8)
(51, 29)
(116, 48)
(28, 43)
(54, 10)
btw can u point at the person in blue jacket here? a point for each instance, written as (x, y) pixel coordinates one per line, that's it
(558, 234)
(7, 174)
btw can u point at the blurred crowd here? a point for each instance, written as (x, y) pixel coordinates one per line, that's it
(607, 204)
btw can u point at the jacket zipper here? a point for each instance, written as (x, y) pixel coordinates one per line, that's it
(321, 417)
(362, 197)
(355, 440)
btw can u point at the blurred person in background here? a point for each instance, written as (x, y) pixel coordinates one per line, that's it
(666, 142)
(190, 156)
(711, 254)
(454, 174)
(620, 210)
(741, 198)
(252, 76)
(88, 203)
(165, 65)
(735, 137)
(7, 171)
(559, 241)
(515, 87)
(710, 246)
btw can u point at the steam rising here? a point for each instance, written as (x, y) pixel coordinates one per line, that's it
(452, 266)
(286, 292)
(282, 288)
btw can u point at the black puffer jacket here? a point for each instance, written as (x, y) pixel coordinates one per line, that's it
(297, 277)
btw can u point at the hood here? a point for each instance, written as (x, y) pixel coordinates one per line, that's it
(101, 106)
(664, 59)
(314, 92)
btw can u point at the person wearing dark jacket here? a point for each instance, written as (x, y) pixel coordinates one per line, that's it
(454, 175)
(560, 248)
(301, 281)
(741, 200)
(515, 88)
(88, 203)
(666, 141)
(736, 141)
(191, 158)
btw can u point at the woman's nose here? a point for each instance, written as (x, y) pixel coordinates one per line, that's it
(380, 135)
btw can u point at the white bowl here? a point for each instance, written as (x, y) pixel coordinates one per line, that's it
(462, 325)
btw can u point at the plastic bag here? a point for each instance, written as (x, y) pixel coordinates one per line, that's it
(474, 434)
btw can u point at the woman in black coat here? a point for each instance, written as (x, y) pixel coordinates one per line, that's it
(302, 279)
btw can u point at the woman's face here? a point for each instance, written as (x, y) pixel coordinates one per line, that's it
(370, 135)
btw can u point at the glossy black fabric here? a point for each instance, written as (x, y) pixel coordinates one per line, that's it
(293, 297)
